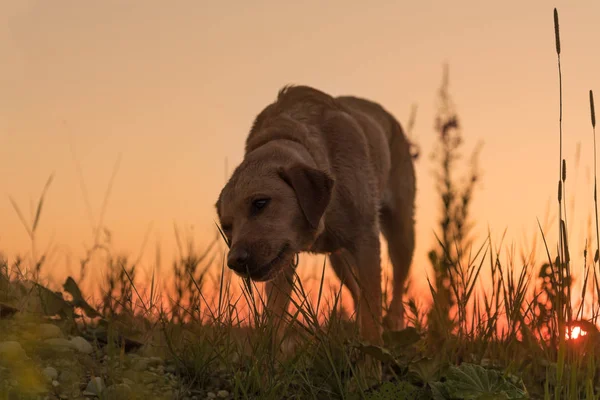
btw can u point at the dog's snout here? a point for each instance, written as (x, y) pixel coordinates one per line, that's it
(237, 259)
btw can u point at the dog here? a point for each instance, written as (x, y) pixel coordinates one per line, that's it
(324, 175)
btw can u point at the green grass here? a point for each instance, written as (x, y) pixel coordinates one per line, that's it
(505, 338)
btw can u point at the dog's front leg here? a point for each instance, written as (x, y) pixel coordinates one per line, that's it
(368, 263)
(278, 293)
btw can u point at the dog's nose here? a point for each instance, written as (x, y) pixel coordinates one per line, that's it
(237, 259)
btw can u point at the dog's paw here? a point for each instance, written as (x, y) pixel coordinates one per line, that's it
(393, 322)
(289, 346)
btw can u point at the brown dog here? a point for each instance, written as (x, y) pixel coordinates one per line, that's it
(323, 175)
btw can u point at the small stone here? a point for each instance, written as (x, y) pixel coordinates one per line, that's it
(171, 369)
(49, 331)
(50, 373)
(223, 394)
(211, 395)
(149, 377)
(95, 387)
(55, 383)
(120, 391)
(59, 344)
(155, 361)
(141, 364)
(68, 376)
(128, 381)
(82, 345)
(133, 376)
(12, 350)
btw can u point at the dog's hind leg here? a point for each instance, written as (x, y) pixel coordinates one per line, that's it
(397, 219)
(398, 228)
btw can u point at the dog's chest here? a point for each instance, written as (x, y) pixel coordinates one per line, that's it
(326, 242)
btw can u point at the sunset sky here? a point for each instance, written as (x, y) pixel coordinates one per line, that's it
(171, 89)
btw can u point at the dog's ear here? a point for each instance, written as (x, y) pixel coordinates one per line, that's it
(313, 189)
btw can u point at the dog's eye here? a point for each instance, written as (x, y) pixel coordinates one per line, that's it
(259, 204)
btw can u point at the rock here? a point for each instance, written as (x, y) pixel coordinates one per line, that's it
(12, 351)
(132, 375)
(82, 345)
(149, 377)
(171, 368)
(128, 381)
(223, 394)
(120, 391)
(155, 361)
(141, 364)
(49, 331)
(67, 376)
(50, 373)
(59, 344)
(95, 387)
(55, 383)
(211, 395)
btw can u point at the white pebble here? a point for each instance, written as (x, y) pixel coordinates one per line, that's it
(95, 387)
(49, 331)
(82, 345)
(50, 373)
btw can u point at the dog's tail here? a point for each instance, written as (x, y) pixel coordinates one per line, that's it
(398, 134)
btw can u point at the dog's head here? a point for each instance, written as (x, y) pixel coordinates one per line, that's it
(269, 211)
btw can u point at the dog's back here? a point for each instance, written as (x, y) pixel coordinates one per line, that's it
(307, 104)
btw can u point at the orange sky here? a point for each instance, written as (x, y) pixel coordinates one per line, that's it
(173, 91)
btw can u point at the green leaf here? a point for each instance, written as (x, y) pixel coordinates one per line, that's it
(377, 352)
(402, 339)
(70, 286)
(426, 370)
(394, 391)
(473, 382)
(438, 391)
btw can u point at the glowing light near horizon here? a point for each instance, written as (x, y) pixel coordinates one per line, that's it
(576, 332)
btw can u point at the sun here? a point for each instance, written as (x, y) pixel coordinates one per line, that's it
(576, 332)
